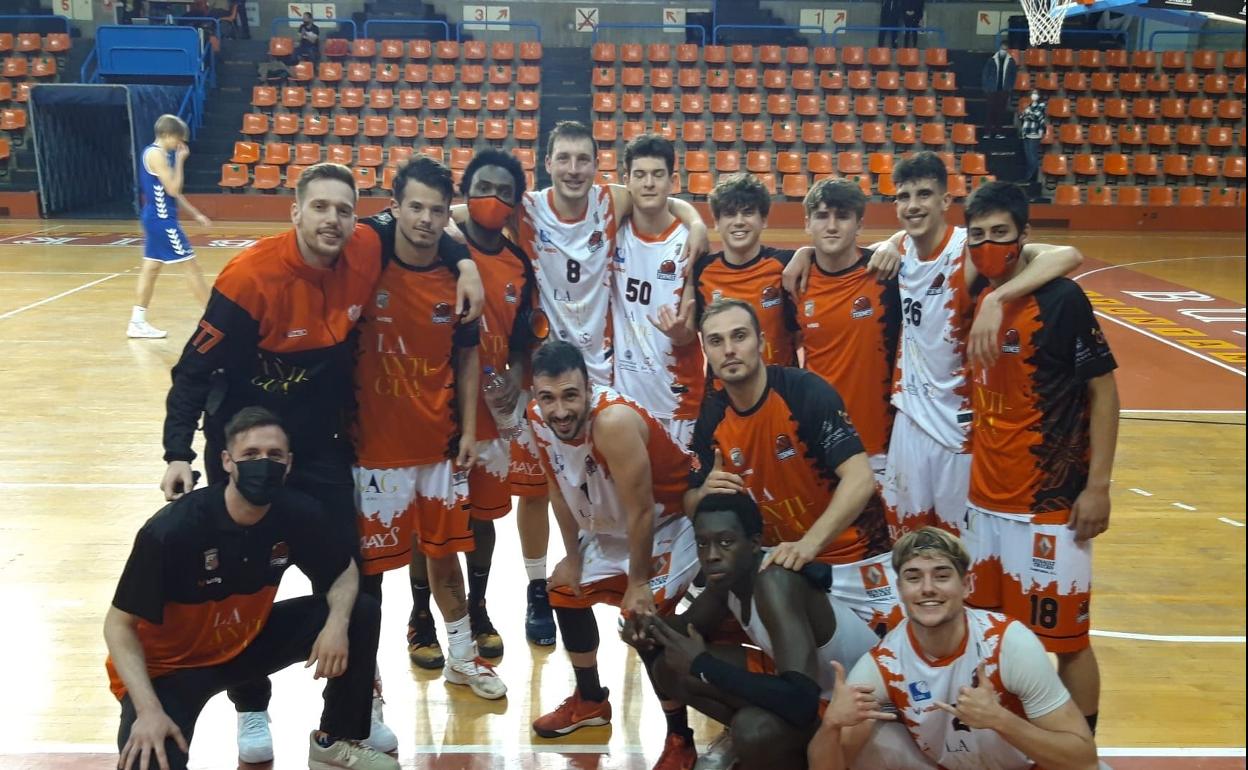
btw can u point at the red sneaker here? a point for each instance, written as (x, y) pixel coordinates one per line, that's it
(572, 715)
(678, 753)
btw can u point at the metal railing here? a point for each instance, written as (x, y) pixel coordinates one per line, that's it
(1120, 33)
(288, 19)
(195, 21)
(823, 35)
(939, 32)
(446, 28)
(1152, 39)
(701, 30)
(459, 28)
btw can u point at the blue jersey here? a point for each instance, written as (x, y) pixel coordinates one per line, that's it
(159, 207)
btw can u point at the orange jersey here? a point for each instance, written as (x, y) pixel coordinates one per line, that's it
(850, 321)
(787, 449)
(758, 283)
(507, 279)
(405, 371)
(1030, 432)
(584, 477)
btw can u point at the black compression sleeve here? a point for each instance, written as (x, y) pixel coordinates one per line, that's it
(791, 696)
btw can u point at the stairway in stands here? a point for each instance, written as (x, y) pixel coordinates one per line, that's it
(565, 95)
(1004, 156)
(224, 109)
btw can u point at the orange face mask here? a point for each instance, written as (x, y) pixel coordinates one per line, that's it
(993, 259)
(490, 212)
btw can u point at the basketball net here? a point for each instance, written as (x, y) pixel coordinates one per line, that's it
(1044, 19)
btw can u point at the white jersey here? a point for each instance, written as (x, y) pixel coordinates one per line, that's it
(932, 385)
(646, 276)
(851, 640)
(571, 261)
(586, 482)
(1015, 662)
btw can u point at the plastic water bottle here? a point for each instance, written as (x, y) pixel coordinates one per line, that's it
(497, 389)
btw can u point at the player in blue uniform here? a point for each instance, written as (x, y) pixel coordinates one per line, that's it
(164, 242)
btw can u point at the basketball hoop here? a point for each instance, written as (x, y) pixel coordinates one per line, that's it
(1044, 19)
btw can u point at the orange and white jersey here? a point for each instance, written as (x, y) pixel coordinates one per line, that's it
(584, 477)
(850, 641)
(931, 385)
(1015, 662)
(571, 260)
(667, 381)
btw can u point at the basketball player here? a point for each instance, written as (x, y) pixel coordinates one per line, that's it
(970, 688)
(928, 464)
(278, 332)
(782, 436)
(849, 315)
(658, 362)
(164, 242)
(194, 611)
(746, 269)
(417, 382)
(789, 616)
(615, 477)
(1045, 429)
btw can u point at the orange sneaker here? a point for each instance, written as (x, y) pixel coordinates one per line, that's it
(572, 715)
(678, 753)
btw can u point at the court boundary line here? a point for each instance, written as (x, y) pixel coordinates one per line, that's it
(1172, 344)
(55, 297)
(1158, 261)
(41, 748)
(1177, 639)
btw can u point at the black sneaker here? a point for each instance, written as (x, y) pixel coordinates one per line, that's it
(539, 619)
(489, 642)
(422, 642)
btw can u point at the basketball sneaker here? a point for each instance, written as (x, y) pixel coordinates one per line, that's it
(346, 755)
(489, 642)
(380, 737)
(678, 753)
(539, 618)
(255, 742)
(478, 675)
(422, 642)
(719, 755)
(142, 330)
(573, 714)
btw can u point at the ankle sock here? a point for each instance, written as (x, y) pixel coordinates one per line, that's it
(535, 568)
(459, 639)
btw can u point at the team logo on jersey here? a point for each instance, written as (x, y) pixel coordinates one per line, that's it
(591, 466)
(509, 293)
(809, 308)
(862, 308)
(737, 456)
(442, 313)
(212, 559)
(354, 311)
(1044, 553)
(771, 296)
(595, 241)
(667, 270)
(784, 447)
(938, 285)
(1011, 343)
(544, 238)
(1098, 336)
(919, 691)
(383, 299)
(279, 556)
(716, 295)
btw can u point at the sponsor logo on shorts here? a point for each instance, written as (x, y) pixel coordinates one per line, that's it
(1084, 613)
(667, 270)
(771, 296)
(784, 447)
(716, 295)
(938, 285)
(1011, 342)
(296, 333)
(279, 556)
(509, 293)
(442, 313)
(383, 299)
(809, 308)
(212, 559)
(919, 691)
(1044, 553)
(862, 308)
(354, 311)
(875, 581)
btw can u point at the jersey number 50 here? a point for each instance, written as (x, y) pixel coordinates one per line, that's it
(637, 290)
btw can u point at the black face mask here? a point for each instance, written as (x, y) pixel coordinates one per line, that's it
(258, 478)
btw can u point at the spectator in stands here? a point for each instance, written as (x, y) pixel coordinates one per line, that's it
(912, 17)
(242, 28)
(309, 39)
(1032, 125)
(890, 16)
(998, 81)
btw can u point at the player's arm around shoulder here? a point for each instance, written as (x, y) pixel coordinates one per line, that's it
(621, 435)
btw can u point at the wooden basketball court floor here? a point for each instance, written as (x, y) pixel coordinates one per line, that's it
(80, 417)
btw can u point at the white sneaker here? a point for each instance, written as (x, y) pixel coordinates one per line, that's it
(142, 330)
(380, 737)
(347, 755)
(477, 674)
(719, 755)
(255, 742)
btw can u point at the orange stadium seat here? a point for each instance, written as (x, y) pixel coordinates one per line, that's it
(277, 154)
(15, 67)
(1144, 164)
(795, 186)
(908, 58)
(1160, 136)
(376, 126)
(233, 175)
(1160, 196)
(1055, 165)
(896, 106)
(903, 133)
(530, 51)
(844, 133)
(944, 81)
(874, 134)
(268, 177)
(1100, 135)
(1222, 197)
(1219, 137)
(697, 161)
(1089, 59)
(1131, 135)
(837, 105)
(1234, 59)
(1200, 109)
(964, 134)
(1231, 110)
(953, 107)
(1187, 83)
(307, 154)
(406, 127)
(815, 133)
(925, 106)
(933, 134)
(936, 57)
(724, 132)
(1087, 165)
(758, 162)
(631, 53)
(1067, 195)
(789, 162)
(783, 133)
(803, 80)
(820, 163)
(365, 178)
(415, 74)
(1075, 82)
(727, 161)
(1205, 166)
(1071, 134)
(1103, 83)
(1116, 164)
(831, 81)
(605, 131)
(254, 124)
(346, 126)
(446, 50)
(1088, 107)
(339, 153)
(700, 184)
(494, 129)
(435, 128)
(1099, 195)
(351, 98)
(474, 50)
(1191, 196)
(265, 96)
(1129, 196)
(866, 106)
(916, 81)
(245, 153)
(1233, 167)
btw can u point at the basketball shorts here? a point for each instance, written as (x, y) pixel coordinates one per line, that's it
(422, 506)
(925, 483)
(165, 241)
(891, 747)
(488, 485)
(527, 477)
(869, 588)
(604, 568)
(680, 430)
(1032, 568)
